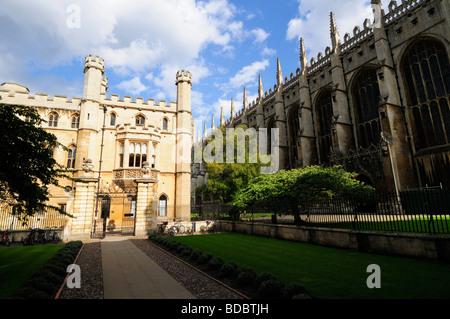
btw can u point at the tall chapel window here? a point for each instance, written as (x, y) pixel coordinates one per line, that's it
(53, 120)
(427, 74)
(324, 117)
(366, 94)
(137, 154)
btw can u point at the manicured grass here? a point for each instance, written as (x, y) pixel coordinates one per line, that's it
(17, 264)
(327, 272)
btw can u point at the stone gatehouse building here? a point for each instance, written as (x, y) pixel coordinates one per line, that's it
(126, 152)
(375, 101)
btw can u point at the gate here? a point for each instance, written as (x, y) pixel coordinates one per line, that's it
(115, 213)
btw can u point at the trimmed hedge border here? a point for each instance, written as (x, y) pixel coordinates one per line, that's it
(244, 279)
(46, 282)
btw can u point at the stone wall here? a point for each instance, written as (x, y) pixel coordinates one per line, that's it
(404, 245)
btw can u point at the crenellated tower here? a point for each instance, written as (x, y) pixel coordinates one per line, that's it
(90, 112)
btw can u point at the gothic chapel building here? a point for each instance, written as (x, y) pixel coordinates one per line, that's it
(376, 101)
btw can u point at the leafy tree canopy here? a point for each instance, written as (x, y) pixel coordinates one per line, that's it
(27, 166)
(228, 176)
(294, 190)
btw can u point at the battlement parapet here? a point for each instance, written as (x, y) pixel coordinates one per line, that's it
(183, 76)
(18, 94)
(94, 61)
(398, 11)
(138, 102)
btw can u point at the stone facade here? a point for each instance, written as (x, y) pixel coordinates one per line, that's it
(376, 101)
(126, 153)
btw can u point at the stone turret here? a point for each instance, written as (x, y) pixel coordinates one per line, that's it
(90, 115)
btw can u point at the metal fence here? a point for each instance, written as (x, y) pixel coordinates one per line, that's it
(413, 211)
(422, 211)
(13, 222)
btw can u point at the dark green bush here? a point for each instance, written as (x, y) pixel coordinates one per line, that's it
(264, 276)
(228, 269)
(271, 289)
(181, 248)
(204, 258)
(195, 254)
(187, 252)
(215, 263)
(41, 284)
(30, 293)
(174, 245)
(246, 278)
(293, 289)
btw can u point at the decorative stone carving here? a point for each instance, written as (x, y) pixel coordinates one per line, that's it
(87, 167)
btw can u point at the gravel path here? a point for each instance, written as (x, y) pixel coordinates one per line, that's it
(90, 262)
(198, 284)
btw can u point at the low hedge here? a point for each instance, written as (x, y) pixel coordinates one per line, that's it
(263, 285)
(45, 283)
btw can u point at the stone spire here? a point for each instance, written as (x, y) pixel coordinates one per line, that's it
(245, 101)
(279, 74)
(303, 57)
(205, 131)
(260, 89)
(213, 125)
(233, 114)
(334, 33)
(222, 117)
(198, 135)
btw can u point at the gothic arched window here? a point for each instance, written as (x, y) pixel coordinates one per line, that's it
(162, 211)
(140, 120)
(427, 76)
(53, 120)
(76, 121)
(112, 119)
(294, 132)
(137, 154)
(71, 156)
(324, 108)
(366, 95)
(165, 124)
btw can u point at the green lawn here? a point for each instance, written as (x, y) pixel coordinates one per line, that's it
(17, 264)
(327, 272)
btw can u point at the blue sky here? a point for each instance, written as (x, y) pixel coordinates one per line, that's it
(225, 44)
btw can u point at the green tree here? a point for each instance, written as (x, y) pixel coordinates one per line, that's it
(228, 176)
(293, 191)
(27, 166)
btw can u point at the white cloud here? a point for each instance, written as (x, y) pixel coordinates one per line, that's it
(313, 21)
(260, 35)
(133, 86)
(248, 74)
(135, 38)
